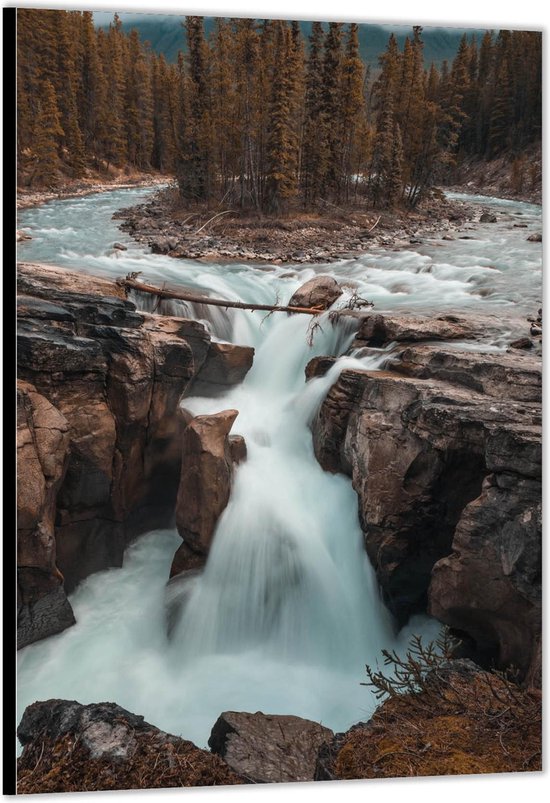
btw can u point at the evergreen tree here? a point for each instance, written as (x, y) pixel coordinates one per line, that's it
(138, 109)
(352, 130)
(48, 131)
(194, 168)
(281, 145)
(314, 157)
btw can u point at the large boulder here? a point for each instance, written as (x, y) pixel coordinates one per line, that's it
(266, 748)
(320, 292)
(205, 485)
(69, 747)
(444, 451)
(42, 459)
(116, 376)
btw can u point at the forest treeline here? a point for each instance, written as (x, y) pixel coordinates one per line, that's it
(256, 117)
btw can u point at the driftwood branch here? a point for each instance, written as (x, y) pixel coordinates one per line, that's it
(375, 224)
(130, 283)
(227, 211)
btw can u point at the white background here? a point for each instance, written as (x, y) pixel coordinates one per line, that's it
(525, 14)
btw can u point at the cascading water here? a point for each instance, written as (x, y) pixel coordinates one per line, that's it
(287, 571)
(286, 612)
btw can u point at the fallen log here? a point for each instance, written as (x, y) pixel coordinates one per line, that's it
(130, 283)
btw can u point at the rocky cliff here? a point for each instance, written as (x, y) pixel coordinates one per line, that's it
(444, 450)
(99, 432)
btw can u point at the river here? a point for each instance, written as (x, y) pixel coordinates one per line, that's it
(287, 612)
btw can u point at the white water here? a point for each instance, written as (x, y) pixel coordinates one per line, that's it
(287, 612)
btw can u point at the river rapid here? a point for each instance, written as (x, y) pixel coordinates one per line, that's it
(287, 612)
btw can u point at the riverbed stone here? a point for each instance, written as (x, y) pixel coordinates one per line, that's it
(321, 292)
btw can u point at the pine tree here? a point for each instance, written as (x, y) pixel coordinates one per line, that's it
(353, 119)
(72, 142)
(48, 131)
(394, 182)
(314, 157)
(113, 59)
(281, 180)
(194, 168)
(332, 110)
(92, 96)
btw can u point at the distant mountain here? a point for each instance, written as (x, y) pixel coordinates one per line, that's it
(165, 34)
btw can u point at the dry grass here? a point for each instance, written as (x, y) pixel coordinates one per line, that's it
(65, 766)
(458, 724)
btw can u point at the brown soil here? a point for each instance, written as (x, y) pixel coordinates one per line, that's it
(466, 726)
(330, 234)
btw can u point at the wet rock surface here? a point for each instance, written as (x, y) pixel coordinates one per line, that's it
(444, 451)
(114, 377)
(42, 458)
(69, 747)
(320, 292)
(266, 748)
(205, 485)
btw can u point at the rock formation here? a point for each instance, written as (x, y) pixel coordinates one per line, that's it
(69, 747)
(265, 748)
(205, 485)
(115, 376)
(321, 291)
(42, 459)
(444, 451)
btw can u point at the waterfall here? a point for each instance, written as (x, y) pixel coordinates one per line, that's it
(287, 612)
(287, 571)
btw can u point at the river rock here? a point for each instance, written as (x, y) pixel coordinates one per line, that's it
(205, 483)
(120, 247)
(318, 366)
(535, 238)
(226, 366)
(522, 343)
(378, 330)
(237, 448)
(265, 748)
(116, 377)
(42, 458)
(420, 441)
(488, 217)
(69, 747)
(321, 292)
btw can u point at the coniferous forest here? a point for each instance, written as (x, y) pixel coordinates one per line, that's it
(267, 120)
